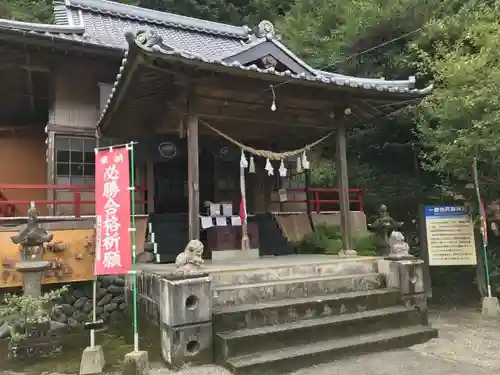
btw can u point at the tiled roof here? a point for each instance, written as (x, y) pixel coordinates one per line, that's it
(152, 43)
(76, 33)
(106, 23)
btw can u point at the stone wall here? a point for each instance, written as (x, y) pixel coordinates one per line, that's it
(76, 306)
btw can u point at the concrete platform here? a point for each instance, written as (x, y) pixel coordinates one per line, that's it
(269, 264)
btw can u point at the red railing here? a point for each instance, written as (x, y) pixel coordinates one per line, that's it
(8, 206)
(325, 199)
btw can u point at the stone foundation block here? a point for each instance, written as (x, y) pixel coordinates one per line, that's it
(490, 307)
(405, 275)
(187, 344)
(136, 363)
(186, 300)
(92, 360)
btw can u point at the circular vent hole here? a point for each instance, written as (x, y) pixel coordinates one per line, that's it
(192, 302)
(193, 347)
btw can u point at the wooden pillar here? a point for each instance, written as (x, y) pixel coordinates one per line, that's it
(150, 182)
(343, 186)
(307, 175)
(193, 174)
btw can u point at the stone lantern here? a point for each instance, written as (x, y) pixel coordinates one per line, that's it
(31, 241)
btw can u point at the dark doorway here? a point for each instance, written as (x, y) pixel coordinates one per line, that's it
(171, 184)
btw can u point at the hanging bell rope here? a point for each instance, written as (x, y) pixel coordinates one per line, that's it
(266, 153)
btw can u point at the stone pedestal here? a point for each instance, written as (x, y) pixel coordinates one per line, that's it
(92, 360)
(186, 320)
(405, 275)
(136, 363)
(186, 300)
(408, 277)
(187, 344)
(490, 308)
(32, 276)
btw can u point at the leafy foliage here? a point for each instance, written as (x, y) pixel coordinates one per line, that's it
(235, 12)
(327, 239)
(324, 240)
(460, 119)
(27, 10)
(21, 310)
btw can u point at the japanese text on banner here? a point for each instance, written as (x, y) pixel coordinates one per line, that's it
(113, 250)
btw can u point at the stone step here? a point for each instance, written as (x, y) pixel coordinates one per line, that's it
(295, 288)
(282, 361)
(268, 338)
(230, 318)
(330, 265)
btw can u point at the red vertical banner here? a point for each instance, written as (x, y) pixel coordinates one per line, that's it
(113, 253)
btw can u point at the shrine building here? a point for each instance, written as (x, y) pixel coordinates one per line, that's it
(198, 97)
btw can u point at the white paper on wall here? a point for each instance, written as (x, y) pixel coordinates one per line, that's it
(227, 209)
(235, 221)
(221, 221)
(214, 209)
(207, 222)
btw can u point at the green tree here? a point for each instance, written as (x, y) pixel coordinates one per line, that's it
(27, 10)
(236, 12)
(340, 37)
(460, 118)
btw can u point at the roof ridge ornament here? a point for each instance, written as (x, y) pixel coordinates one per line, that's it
(265, 29)
(149, 38)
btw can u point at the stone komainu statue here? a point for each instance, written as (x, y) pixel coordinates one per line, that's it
(190, 260)
(398, 246)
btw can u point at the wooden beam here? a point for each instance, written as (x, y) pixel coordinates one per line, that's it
(258, 113)
(246, 120)
(343, 186)
(193, 172)
(264, 103)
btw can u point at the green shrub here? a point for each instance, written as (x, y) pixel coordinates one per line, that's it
(325, 240)
(367, 245)
(328, 240)
(331, 232)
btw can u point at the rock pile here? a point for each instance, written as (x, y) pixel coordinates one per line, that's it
(76, 307)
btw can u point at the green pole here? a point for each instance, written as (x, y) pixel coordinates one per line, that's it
(133, 238)
(483, 226)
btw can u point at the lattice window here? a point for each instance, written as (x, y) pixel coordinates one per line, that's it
(74, 159)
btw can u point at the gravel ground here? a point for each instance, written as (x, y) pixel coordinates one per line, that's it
(467, 344)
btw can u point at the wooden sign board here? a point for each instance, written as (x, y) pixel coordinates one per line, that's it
(450, 236)
(77, 259)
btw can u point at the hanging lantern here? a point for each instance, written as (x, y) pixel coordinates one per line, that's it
(243, 160)
(305, 162)
(299, 165)
(251, 168)
(269, 168)
(282, 170)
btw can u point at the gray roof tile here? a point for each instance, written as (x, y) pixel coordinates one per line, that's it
(110, 31)
(107, 22)
(149, 16)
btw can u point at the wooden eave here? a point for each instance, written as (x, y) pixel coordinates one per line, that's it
(26, 69)
(154, 87)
